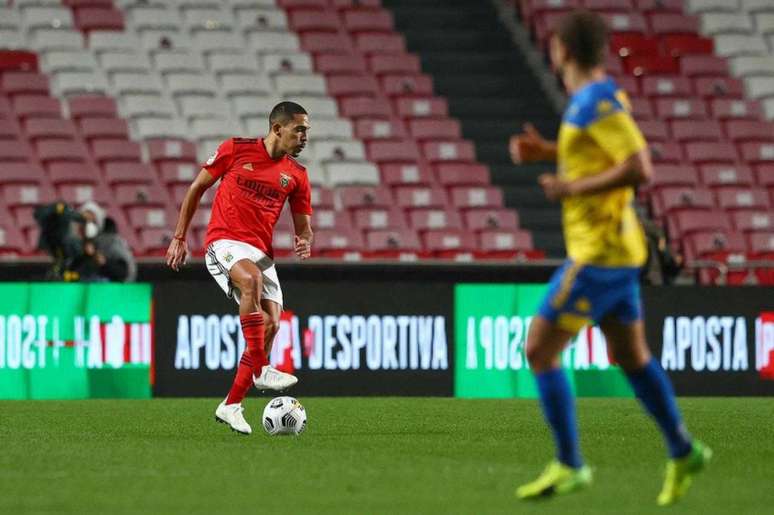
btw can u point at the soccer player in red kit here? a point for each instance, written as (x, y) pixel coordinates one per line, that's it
(256, 177)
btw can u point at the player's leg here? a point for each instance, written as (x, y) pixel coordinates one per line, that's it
(248, 279)
(271, 316)
(654, 390)
(549, 334)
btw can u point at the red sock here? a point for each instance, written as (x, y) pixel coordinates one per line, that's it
(243, 380)
(252, 328)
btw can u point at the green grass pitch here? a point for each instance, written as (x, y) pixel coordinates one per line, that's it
(366, 456)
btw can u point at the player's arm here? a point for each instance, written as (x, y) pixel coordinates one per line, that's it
(178, 248)
(302, 224)
(530, 146)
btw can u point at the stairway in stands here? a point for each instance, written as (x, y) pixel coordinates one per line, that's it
(492, 91)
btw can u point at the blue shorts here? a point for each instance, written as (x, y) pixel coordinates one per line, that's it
(579, 294)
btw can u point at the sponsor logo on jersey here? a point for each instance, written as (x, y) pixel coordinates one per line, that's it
(284, 180)
(212, 158)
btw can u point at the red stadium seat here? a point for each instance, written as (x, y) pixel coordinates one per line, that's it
(540, 7)
(360, 107)
(703, 65)
(140, 195)
(15, 150)
(409, 107)
(378, 218)
(92, 128)
(665, 24)
(626, 45)
(380, 151)
(75, 193)
(327, 42)
(368, 20)
(683, 108)
(467, 197)
(504, 244)
(462, 174)
(331, 219)
(301, 20)
(380, 43)
(631, 85)
(725, 175)
(73, 172)
(674, 175)
(434, 129)
(722, 108)
(765, 174)
(32, 106)
(740, 198)
(145, 216)
(490, 218)
(718, 87)
(171, 150)
(692, 130)
(407, 84)
(427, 219)
(18, 60)
(382, 64)
(642, 109)
(125, 172)
(666, 153)
(339, 64)
(27, 194)
(626, 22)
(449, 243)
(23, 83)
(749, 221)
(154, 241)
(688, 44)
(675, 6)
(717, 152)
(12, 241)
(61, 150)
(21, 172)
(449, 151)
(364, 196)
(115, 149)
(291, 5)
(639, 65)
(403, 174)
(9, 128)
(715, 245)
(420, 197)
(673, 199)
(322, 197)
(666, 86)
(337, 243)
(654, 130)
(762, 244)
(392, 243)
(375, 128)
(353, 84)
(92, 106)
(178, 172)
(341, 4)
(50, 128)
(88, 19)
(691, 221)
(750, 130)
(178, 191)
(757, 152)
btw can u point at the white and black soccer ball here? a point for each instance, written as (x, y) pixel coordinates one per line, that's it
(284, 416)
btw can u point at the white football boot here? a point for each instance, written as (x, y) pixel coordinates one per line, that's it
(273, 379)
(231, 414)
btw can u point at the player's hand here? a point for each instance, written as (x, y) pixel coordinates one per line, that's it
(303, 247)
(177, 254)
(529, 146)
(554, 187)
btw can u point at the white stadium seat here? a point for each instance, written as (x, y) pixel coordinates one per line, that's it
(194, 106)
(220, 62)
(165, 40)
(153, 127)
(338, 150)
(264, 41)
(746, 66)
(52, 39)
(155, 18)
(208, 18)
(330, 129)
(10, 18)
(284, 62)
(129, 62)
(108, 40)
(138, 105)
(351, 173)
(49, 17)
(731, 45)
(726, 23)
(244, 84)
(705, 6)
(124, 83)
(291, 84)
(256, 18)
(191, 83)
(171, 61)
(70, 61)
(249, 107)
(11, 39)
(80, 83)
(218, 40)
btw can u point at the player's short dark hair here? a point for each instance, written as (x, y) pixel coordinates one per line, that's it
(284, 112)
(584, 33)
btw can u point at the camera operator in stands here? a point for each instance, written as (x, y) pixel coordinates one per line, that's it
(84, 244)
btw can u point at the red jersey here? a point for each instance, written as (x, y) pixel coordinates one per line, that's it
(253, 188)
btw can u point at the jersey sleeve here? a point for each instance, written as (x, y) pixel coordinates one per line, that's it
(301, 198)
(616, 133)
(219, 162)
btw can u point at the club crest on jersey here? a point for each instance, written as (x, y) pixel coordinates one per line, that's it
(248, 166)
(228, 257)
(284, 180)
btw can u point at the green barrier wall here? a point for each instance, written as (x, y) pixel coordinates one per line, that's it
(75, 341)
(490, 328)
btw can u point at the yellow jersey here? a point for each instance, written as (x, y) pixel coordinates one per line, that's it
(597, 133)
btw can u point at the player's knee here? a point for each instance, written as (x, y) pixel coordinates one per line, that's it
(250, 284)
(271, 323)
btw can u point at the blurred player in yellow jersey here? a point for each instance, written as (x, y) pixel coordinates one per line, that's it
(601, 157)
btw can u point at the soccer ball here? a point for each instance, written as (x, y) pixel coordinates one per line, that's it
(284, 416)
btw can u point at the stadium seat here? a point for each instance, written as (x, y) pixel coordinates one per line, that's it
(330, 42)
(427, 219)
(49, 128)
(364, 196)
(340, 64)
(716, 152)
(115, 149)
(9, 128)
(449, 243)
(406, 174)
(409, 197)
(625, 45)
(718, 87)
(15, 150)
(21, 172)
(740, 198)
(462, 174)
(12, 241)
(753, 220)
(749, 130)
(127, 195)
(301, 20)
(762, 244)
(352, 84)
(338, 243)
(324, 197)
(715, 245)
(647, 65)
(93, 128)
(666, 86)
(691, 221)
(27, 194)
(351, 173)
(503, 244)
(724, 109)
(92, 106)
(118, 172)
(467, 197)
(755, 152)
(664, 24)
(725, 175)
(98, 18)
(679, 45)
(380, 151)
(393, 243)
(369, 129)
(378, 218)
(490, 218)
(368, 43)
(666, 153)
(679, 198)
(14, 83)
(407, 84)
(61, 150)
(703, 65)
(682, 108)
(332, 220)
(156, 240)
(642, 109)
(410, 107)
(435, 129)
(654, 130)
(367, 20)
(365, 107)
